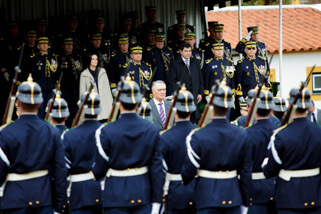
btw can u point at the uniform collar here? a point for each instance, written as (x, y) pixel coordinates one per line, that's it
(134, 63)
(250, 58)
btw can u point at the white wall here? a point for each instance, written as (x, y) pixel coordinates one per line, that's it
(294, 69)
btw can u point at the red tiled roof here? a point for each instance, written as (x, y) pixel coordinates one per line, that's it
(301, 27)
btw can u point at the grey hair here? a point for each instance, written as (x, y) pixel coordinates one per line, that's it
(158, 82)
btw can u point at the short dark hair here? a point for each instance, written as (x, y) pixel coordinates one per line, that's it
(89, 116)
(278, 114)
(185, 45)
(220, 111)
(58, 120)
(263, 112)
(29, 107)
(129, 106)
(183, 115)
(300, 110)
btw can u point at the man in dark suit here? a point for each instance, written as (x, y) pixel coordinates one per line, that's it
(160, 107)
(187, 70)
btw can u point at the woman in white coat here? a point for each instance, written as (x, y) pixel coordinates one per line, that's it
(99, 75)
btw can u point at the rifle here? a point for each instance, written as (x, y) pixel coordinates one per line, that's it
(253, 108)
(12, 95)
(209, 106)
(114, 111)
(55, 92)
(292, 106)
(80, 112)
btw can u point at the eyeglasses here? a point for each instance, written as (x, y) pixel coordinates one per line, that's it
(251, 48)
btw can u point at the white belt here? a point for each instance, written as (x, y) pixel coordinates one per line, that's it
(1, 190)
(82, 177)
(217, 174)
(168, 178)
(127, 172)
(26, 176)
(258, 176)
(288, 174)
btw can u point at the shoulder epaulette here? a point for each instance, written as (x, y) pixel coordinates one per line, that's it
(125, 65)
(261, 57)
(207, 44)
(149, 48)
(241, 60)
(208, 60)
(7, 124)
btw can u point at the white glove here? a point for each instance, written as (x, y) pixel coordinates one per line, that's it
(155, 208)
(55, 212)
(248, 36)
(244, 209)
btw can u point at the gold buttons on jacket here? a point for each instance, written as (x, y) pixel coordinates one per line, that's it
(182, 182)
(30, 203)
(223, 202)
(97, 200)
(190, 203)
(312, 203)
(37, 202)
(229, 202)
(139, 201)
(271, 199)
(305, 204)
(251, 199)
(132, 202)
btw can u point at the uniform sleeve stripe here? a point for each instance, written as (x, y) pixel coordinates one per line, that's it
(192, 159)
(165, 165)
(67, 160)
(4, 157)
(67, 166)
(188, 145)
(273, 149)
(98, 144)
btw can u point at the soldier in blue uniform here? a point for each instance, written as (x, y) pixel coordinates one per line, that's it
(294, 157)
(279, 107)
(180, 198)
(262, 197)
(149, 41)
(31, 163)
(207, 42)
(250, 69)
(119, 58)
(218, 153)
(197, 53)
(216, 67)
(151, 23)
(159, 57)
(181, 19)
(59, 113)
(70, 65)
(260, 46)
(178, 39)
(130, 154)
(45, 72)
(240, 121)
(216, 35)
(80, 150)
(30, 51)
(139, 71)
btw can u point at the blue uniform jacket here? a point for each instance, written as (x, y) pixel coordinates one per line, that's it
(80, 150)
(207, 45)
(213, 71)
(249, 77)
(159, 58)
(219, 146)
(116, 63)
(130, 142)
(174, 153)
(259, 137)
(275, 122)
(27, 145)
(296, 146)
(140, 73)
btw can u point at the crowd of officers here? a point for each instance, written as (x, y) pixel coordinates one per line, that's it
(128, 166)
(58, 59)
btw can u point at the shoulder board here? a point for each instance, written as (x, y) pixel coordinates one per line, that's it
(5, 125)
(146, 63)
(125, 65)
(208, 60)
(241, 60)
(149, 48)
(163, 131)
(32, 56)
(207, 44)
(202, 40)
(261, 57)
(280, 128)
(231, 60)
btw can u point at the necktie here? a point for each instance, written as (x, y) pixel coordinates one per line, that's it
(313, 118)
(162, 113)
(187, 65)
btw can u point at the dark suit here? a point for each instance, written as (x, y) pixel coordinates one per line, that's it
(156, 118)
(192, 78)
